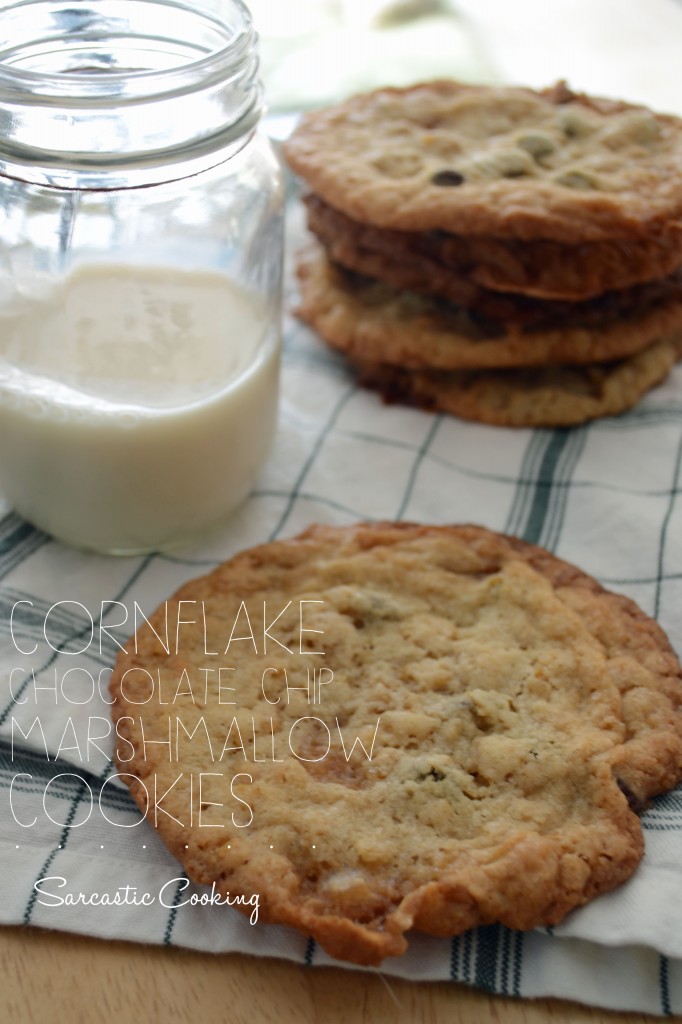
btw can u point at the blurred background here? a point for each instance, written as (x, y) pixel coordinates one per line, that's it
(318, 51)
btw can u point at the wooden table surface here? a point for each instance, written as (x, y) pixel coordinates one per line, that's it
(59, 978)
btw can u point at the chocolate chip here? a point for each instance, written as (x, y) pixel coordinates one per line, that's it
(448, 178)
(634, 802)
(433, 774)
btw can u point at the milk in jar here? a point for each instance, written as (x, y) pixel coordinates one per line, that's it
(137, 403)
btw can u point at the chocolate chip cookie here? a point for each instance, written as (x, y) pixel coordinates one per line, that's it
(389, 727)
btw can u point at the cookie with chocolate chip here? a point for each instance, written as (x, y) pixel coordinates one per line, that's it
(539, 396)
(499, 161)
(415, 727)
(498, 277)
(370, 321)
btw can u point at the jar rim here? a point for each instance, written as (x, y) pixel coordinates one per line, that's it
(91, 87)
(104, 94)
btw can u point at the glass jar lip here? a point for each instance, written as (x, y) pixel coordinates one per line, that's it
(93, 88)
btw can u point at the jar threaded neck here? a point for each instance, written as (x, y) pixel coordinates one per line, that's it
(97, 93)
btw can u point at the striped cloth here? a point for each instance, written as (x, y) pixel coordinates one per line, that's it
(605, 496)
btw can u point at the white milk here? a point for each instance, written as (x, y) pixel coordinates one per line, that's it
(137, 404)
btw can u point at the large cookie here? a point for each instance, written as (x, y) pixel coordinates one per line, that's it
(494, 720)
(492, 275)
(539, 396)
(372, 322)
(500, 161)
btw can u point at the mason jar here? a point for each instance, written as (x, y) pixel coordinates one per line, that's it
(140, 256)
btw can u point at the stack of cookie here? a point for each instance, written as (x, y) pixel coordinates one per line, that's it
(502, 254)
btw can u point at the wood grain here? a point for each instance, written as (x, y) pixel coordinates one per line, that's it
(59, 978)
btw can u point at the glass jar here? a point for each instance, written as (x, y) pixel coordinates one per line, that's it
(140, 256)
